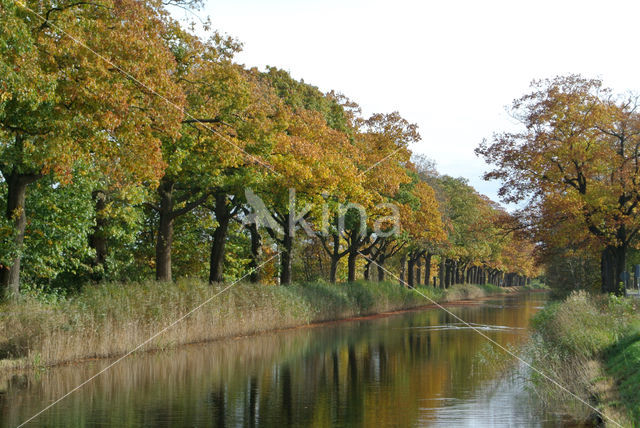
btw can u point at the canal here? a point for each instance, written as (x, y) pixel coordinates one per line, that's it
(420, 368)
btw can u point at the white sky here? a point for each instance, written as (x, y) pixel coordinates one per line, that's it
(449, 66)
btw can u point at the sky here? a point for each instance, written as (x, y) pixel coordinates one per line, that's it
(452, 67)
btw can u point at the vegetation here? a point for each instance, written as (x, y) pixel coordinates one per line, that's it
(574, 167)
(110, 319)
(591, 345)
(141, 168)
(575, 162)
(152, 153)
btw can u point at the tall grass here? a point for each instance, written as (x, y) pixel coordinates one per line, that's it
(590, 345)
(111, 319)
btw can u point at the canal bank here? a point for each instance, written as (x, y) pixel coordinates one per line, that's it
(591, 345)
(108, 320)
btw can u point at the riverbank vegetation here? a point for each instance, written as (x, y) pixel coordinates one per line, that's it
(591, 345)
(573, 166)
(110, 319)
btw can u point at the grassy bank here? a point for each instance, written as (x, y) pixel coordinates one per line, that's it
(111, 319)
(591, 345)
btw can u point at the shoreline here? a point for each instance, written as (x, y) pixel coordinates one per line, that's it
(459, 295)
(314, 324)
(592, 345)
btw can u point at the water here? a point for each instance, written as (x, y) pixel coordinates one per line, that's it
(412, 369)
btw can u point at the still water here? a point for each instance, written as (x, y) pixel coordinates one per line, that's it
(412, 369)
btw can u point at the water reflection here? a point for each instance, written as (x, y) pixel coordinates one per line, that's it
(470, 326)
(418, 368)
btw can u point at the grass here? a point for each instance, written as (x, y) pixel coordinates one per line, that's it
(536, 285)
(110, 319)
(623, 363)
(591, 345)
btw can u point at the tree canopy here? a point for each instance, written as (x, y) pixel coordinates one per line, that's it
(576, 165)
(130, 146)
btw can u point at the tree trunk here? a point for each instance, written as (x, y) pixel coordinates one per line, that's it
(403, 263)
(98, 238)
(447, 273)
(333, 272)
(285, 255)
(410, 271)
(612, 265)
(256, 244)
(335, 259)
(381, 261)
(418, 276)
(223, 217)
(165, 232)
(351, 262)
(16, 195)
(367, 267)
(441, 271)
(427, 268)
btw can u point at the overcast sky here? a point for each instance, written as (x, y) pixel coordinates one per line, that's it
(450, 66)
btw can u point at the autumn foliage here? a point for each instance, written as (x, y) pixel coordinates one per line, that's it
(576, 165)
(153, 140)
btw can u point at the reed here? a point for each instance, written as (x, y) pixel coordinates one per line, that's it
(110, 319)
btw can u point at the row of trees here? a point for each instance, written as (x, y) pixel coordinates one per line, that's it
(129, 145)
(576, 164)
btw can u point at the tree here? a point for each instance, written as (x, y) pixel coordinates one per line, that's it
(65, 97)
(218, 100)
(262, 120)
(381, 143)
(422, 227)
(308, 162)
(56, 251)
(312, 154)
(580, 146)
(464, 218)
